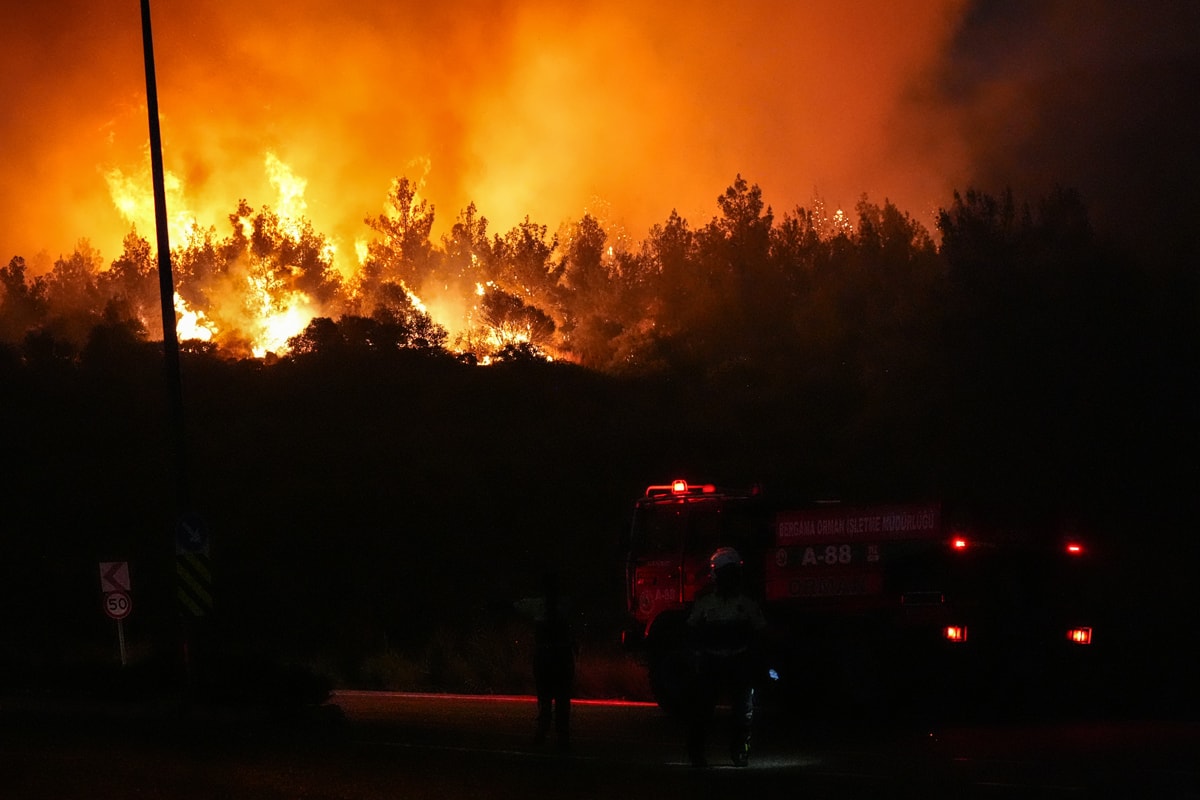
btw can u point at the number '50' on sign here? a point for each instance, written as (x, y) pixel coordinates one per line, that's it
(117, 605)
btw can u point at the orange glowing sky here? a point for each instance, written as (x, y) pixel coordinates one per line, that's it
(526, 107)
(540, 108)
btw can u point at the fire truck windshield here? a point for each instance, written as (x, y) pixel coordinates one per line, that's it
(659, 531)
(697, 527)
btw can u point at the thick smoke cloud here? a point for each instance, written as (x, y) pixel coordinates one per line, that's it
(522, 107)
(1097, 96)
(628, 110)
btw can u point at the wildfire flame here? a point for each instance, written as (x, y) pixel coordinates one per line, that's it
(131, 195)
(292, 204)
(260, 311)
(252, 293)
(270, 312)
(191, 325)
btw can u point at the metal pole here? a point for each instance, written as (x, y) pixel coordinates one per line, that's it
(166, 288)
(166, 284)
(121, 642)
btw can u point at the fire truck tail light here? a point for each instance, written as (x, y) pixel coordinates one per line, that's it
(1080, 635)
(1074, 548)
(955, 633)
(959, 543)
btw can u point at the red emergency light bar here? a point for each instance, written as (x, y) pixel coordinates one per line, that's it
(1075, 548)
(959, 543)
(681, 488)
(1080, 635)
(955, 633)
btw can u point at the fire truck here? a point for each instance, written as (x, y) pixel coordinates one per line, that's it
(871, 608)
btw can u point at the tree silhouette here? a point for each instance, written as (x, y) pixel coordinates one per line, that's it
(522, 263)
(518, 353)
(132, 281)
(512, 321)
(294, 257)
(589, 301)
(73, 293)
(414, 328)
(670, 253)
(403, 250)
(322, 336)
(23, 306)
(467, 252)
(727, 279)
(201, 264)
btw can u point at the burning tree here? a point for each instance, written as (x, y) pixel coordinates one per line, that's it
(513, 321)
(258, 285)
(402, 254)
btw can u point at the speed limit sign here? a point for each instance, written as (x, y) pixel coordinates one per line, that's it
(117, 605)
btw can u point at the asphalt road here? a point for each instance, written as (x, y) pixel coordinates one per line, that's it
(376, 745)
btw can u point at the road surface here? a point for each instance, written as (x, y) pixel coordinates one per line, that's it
(376, 745)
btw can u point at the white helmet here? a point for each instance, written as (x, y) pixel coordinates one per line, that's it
(724, 557)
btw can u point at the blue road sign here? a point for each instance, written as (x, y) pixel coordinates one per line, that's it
(191, 535)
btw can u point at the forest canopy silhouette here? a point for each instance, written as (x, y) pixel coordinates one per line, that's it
(1018, 330)
(1017, 367)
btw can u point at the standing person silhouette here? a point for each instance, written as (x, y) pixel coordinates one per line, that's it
(725, 627)
(553, 660)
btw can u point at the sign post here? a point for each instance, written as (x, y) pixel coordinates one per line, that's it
(193, 567)
(115, 585)
(193, 586)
